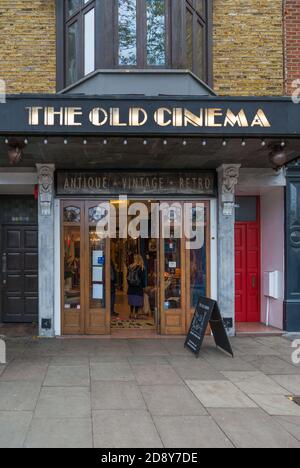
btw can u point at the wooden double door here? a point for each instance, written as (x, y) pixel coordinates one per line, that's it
(182, 274)
(19, 274)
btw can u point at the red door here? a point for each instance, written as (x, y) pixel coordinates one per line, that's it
(247, 271)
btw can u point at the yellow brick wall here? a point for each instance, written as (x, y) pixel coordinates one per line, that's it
(248, 47)
(27, 45)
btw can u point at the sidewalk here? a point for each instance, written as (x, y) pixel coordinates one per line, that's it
(148, 393)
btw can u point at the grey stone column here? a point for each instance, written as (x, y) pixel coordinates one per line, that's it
(227, 180)
(46, 249)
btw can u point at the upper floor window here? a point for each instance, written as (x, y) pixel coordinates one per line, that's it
(104, 34)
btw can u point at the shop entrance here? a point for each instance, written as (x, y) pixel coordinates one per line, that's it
(247, 260)
(94, 270)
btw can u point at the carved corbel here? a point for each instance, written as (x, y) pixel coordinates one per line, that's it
(46, 188)
(229, 175)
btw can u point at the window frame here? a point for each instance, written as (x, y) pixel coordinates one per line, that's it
(205, 21)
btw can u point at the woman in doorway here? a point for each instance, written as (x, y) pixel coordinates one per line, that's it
(136, 284)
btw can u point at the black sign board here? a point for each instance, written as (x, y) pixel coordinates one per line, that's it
(207, 313)
(158, 115)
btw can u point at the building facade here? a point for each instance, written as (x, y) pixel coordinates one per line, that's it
(113, 109)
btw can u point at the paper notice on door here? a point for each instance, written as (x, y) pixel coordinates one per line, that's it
(98, 291)
(97, 274)
(97, 256)
(172, 265)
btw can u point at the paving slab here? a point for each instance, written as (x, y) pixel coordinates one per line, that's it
(63, 402)
(67, 376)
(146, 360)
(19, 395)
(175, 400)
(291, 383)
(70, 361)
(124, 429)
(26, 370)
(253, 428)
(254, 382)
(112, 371)
(272, 365)
(194, 369)
(60, 433)
(221, 362)
(276, 405)
(219, 394)
(120, 396)
(291, 424)
(190, 432)
(13, 428)
(148, 348)
(158, 374)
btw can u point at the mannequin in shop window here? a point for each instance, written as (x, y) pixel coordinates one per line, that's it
(136, 284)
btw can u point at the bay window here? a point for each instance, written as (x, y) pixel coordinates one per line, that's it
(132, 34)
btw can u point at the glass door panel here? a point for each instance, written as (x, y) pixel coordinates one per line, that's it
(97, 268)
(72, 262)
(198, 259)
(172, 268)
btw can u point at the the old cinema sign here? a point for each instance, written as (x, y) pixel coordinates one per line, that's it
(140, 117)
(149, 116)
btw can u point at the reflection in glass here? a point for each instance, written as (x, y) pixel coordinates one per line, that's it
(127, 33)
(172, 275)
(189, 39)
(89, 42)
(72, 268)
(156, 32)
(72, 214)
(200, 50)
(97, 213)
(73, 6)
(198, 260)
(97, 270)
(72, 74)
(199, 6)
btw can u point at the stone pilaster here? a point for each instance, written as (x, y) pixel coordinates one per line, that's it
(46, 249)
(227, 180)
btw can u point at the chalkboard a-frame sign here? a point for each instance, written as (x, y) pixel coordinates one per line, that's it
(207, 313)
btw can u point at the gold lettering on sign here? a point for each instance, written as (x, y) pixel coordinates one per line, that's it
(137, 117)
(34, 115)
(115, 118)
(239, 119)
(212, 114)
(260, 120)
(71, 114)
(95, 117)
(160, 117)
(190, 118)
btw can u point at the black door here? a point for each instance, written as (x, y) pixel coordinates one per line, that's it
(19, 298)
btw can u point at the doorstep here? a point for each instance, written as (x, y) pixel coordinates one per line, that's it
(257, 329)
